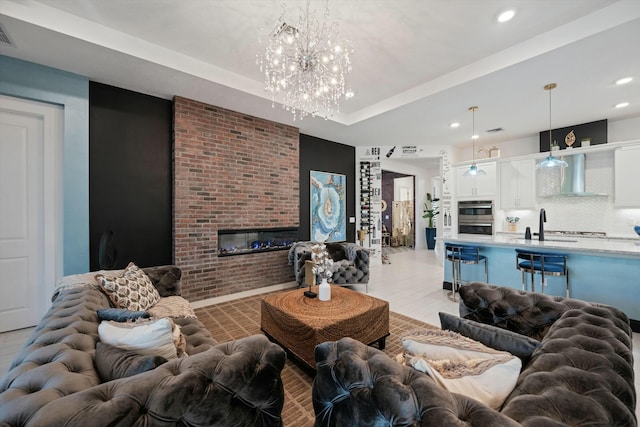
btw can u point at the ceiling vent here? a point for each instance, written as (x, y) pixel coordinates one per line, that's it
(4, 37)
(495, 130)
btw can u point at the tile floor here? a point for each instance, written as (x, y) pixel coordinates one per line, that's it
(412, 283)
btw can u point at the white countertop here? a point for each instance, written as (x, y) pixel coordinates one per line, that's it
(598, 245)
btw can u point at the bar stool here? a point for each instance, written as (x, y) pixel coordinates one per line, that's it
(543, 263)
(460, 254)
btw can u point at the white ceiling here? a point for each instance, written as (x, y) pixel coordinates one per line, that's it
(418, 64)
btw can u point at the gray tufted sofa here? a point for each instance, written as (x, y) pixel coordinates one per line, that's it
(582, 374)
(53, 381)
(350, 262)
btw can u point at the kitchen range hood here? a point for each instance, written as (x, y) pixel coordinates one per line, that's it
(573, 178)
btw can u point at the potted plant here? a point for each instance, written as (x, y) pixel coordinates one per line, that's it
(513, 223)
(430, 210)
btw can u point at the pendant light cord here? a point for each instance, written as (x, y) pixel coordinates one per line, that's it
(473, 135)
(550, 127)
(549, 88)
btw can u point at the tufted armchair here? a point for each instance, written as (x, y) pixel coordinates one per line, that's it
(582, 373)
(350, 262)
(53, 381)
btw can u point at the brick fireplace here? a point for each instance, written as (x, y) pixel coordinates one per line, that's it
(231, 171)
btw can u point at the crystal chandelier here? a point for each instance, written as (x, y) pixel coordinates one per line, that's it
(305, 65)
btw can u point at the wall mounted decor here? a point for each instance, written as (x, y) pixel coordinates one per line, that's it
(328, 209)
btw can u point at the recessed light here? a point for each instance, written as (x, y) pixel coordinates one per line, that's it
(506, 16)
(622, 105)
(624, 80)
(454, 125)
(476, 136)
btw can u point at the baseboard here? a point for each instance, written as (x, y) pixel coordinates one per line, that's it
(238, 295)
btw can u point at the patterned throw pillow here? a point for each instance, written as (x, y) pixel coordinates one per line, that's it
(132, 290)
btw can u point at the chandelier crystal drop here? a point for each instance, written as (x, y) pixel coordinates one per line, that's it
(305, 65)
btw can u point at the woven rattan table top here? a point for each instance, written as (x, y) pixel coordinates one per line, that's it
(299, 323)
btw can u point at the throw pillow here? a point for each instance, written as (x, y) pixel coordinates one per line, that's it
(336, 251)
(491, 336)
(154, 337)
(121, 314)
(113, 363)
(165, 278)
(132, 290)
(462, 365)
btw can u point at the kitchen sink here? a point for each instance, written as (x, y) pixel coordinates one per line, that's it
(546, 240)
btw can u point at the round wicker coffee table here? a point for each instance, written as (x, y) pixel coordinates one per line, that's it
(298, 323)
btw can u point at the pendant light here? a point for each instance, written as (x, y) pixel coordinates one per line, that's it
(551, 162)
(474, 169)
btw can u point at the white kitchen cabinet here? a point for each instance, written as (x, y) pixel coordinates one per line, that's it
(476, 186)
(517, 184)
(626, 174)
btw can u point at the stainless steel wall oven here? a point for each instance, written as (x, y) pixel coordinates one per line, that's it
(475, 217)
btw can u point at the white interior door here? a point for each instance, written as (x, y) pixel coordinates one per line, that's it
(30, 145)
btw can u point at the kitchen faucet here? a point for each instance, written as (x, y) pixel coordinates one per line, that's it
(543, 219)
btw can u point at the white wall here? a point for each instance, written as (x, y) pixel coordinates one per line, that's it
(624, 130)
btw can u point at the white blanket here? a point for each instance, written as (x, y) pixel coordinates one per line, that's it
(80, 280)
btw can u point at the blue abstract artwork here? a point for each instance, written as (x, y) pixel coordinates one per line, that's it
(328, 209)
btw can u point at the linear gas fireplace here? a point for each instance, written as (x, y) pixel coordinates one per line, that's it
(240, 242)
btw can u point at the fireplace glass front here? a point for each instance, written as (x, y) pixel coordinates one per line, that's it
(240, 242)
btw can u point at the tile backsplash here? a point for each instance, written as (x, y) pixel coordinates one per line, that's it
(586, 213)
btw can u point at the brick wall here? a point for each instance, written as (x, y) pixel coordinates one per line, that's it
(231, 171)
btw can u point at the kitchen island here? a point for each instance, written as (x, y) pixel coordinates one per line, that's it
(602, 270)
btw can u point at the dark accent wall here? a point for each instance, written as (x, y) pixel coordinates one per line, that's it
(326, 156)
(130, 143)
(596, 131)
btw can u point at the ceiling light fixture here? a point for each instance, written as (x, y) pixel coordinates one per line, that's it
(506, 16)
(624, 80)
(454, 125)
(474, 169)
(551, 162)
(622, 105)
(305, 65)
